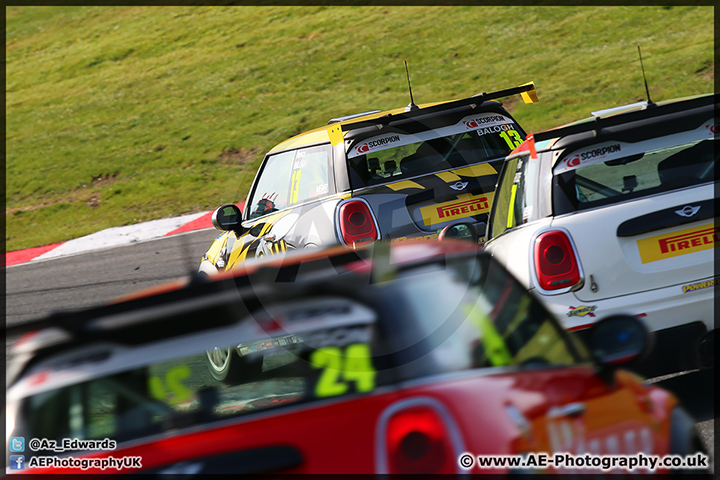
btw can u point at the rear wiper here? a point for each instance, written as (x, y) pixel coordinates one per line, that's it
(624, 160)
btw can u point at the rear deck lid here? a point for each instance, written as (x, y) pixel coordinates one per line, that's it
(642, 213)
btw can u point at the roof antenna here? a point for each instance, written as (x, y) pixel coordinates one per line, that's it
(412, 105)
(647, 91)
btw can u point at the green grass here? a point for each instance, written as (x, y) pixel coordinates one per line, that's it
(174, 107)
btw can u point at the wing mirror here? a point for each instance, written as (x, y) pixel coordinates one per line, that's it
(228, 218)
(618, 340)
(460, 231)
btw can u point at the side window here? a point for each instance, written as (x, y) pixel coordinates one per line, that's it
(507, 209)
(271, 191)
(102, 410)
(514, 195)
(291, 177)
(309, 178)
(473, 314)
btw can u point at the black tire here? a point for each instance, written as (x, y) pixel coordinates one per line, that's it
(226, 366)
(684, 440)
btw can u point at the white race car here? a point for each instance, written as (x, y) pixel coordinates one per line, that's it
(615, 214)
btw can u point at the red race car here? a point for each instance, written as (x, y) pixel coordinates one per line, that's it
(415, 357)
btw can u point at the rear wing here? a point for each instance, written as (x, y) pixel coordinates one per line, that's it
(527, 91)
(199, 304)
(155, 313)
(596, 124)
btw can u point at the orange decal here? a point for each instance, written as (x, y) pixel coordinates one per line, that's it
(677, 243)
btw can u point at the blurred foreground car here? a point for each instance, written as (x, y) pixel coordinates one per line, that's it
(399, 174)
(365, 360)
(616, 215)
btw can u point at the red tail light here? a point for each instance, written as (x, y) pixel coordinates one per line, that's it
(356, 223)
(418, 442)
(556, 266)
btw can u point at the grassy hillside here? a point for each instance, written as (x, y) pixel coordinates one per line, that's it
(117, 115)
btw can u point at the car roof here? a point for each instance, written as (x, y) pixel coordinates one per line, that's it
(590, 130)
(155, 310)
(333, 132)
(623, 115)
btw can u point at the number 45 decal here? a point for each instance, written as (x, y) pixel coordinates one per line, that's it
(341, 367)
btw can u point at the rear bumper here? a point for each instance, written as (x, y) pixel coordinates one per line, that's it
(681, 322)
(686, 347)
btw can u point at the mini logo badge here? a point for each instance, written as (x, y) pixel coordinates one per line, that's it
(458, 185)
(687, 211)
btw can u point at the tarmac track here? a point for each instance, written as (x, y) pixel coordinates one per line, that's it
(37, 288)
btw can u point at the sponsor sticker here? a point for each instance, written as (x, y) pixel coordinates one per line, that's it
(677, 243)
(594, 154)
(461, 208)
(484, 124)
(432, 236)
(698, 286)
(376, 143)
(582, 310)
(711, 128)
(482, 121)
(495, 129)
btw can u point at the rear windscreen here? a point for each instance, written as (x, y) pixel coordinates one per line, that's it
(390, 157)
(279, 370)
(613, 172)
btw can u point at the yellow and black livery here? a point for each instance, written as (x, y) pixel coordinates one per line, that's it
(375, 175)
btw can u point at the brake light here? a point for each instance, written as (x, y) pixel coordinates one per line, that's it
(356, 224)
(556, 265)
(418, 442)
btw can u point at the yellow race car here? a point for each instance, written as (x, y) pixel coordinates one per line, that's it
(394, 175)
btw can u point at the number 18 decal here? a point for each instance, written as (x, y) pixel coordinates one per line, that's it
(341, 366)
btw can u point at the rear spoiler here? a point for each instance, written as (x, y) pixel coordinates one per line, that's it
(100, 321)
(596, 124)
(527, 91)
(163, 315)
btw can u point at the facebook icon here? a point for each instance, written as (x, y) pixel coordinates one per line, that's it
(17, 462)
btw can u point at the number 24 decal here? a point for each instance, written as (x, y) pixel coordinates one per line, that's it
(171, 390)
(341, 367)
